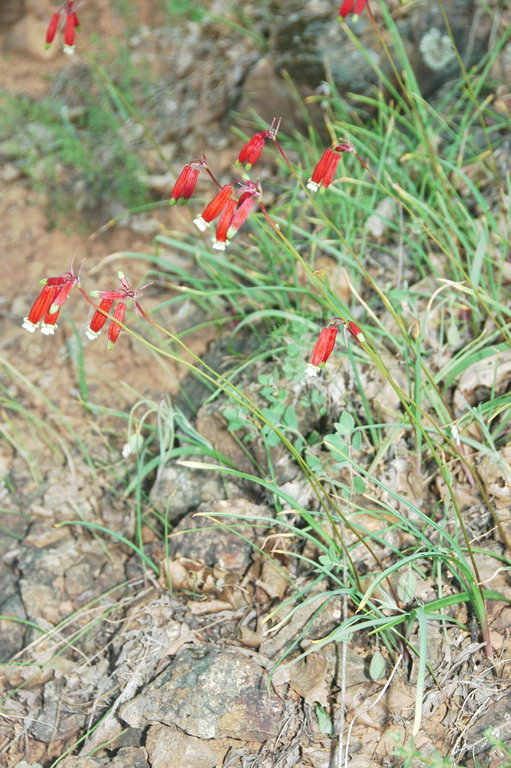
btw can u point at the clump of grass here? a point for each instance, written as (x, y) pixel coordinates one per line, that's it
(78, 145)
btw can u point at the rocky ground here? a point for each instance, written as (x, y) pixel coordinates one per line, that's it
(110, 663)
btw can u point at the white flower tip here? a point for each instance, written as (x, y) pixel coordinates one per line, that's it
(361, 338)
(201, 224)
(68, 50)
(133, 446)
(28, 326)
(219, 245)
(92, 334)
(311, 370)
(48, 330)
(312, 185)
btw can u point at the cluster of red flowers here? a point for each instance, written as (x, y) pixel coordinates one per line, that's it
(232, 208)
(233, 202)
(65, 16)
(324, 172)
(46, 308)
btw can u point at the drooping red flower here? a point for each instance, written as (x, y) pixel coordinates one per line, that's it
(355, 331)
(186, 182)
(251, 152)
(220, 240)
(69, 33)
(352, 6)
(114, 328)
(214, 208)
(250, 193)
(52, 28)
(39, 308)
(323, 348)
(98, 319)
(324, 172)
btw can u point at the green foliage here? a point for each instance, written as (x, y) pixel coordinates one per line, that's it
(81, 157)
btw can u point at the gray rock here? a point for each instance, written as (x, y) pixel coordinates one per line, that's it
(163, 741)
(181, 489)
(227, 547)
(130, 757)
(54, 720)
(209, 694)
(12, 632)
(308, 43)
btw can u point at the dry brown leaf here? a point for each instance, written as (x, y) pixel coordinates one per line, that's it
(249, 637)
(494, 372)
(188, 575)
(204, 607)
(273, 579)
(308, 677)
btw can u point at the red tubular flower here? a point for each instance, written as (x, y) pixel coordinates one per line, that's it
(114, 328)
(244, 206)
(186, 182)
(323, 348)
(69, 281)
(352, 6)
(52, 28)
(355, 331)
(69, 33)
(214, 208)
(71, 11)
(220, 240)
(98, 319)
(40, 307)
(324, 172)
(251, 152)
